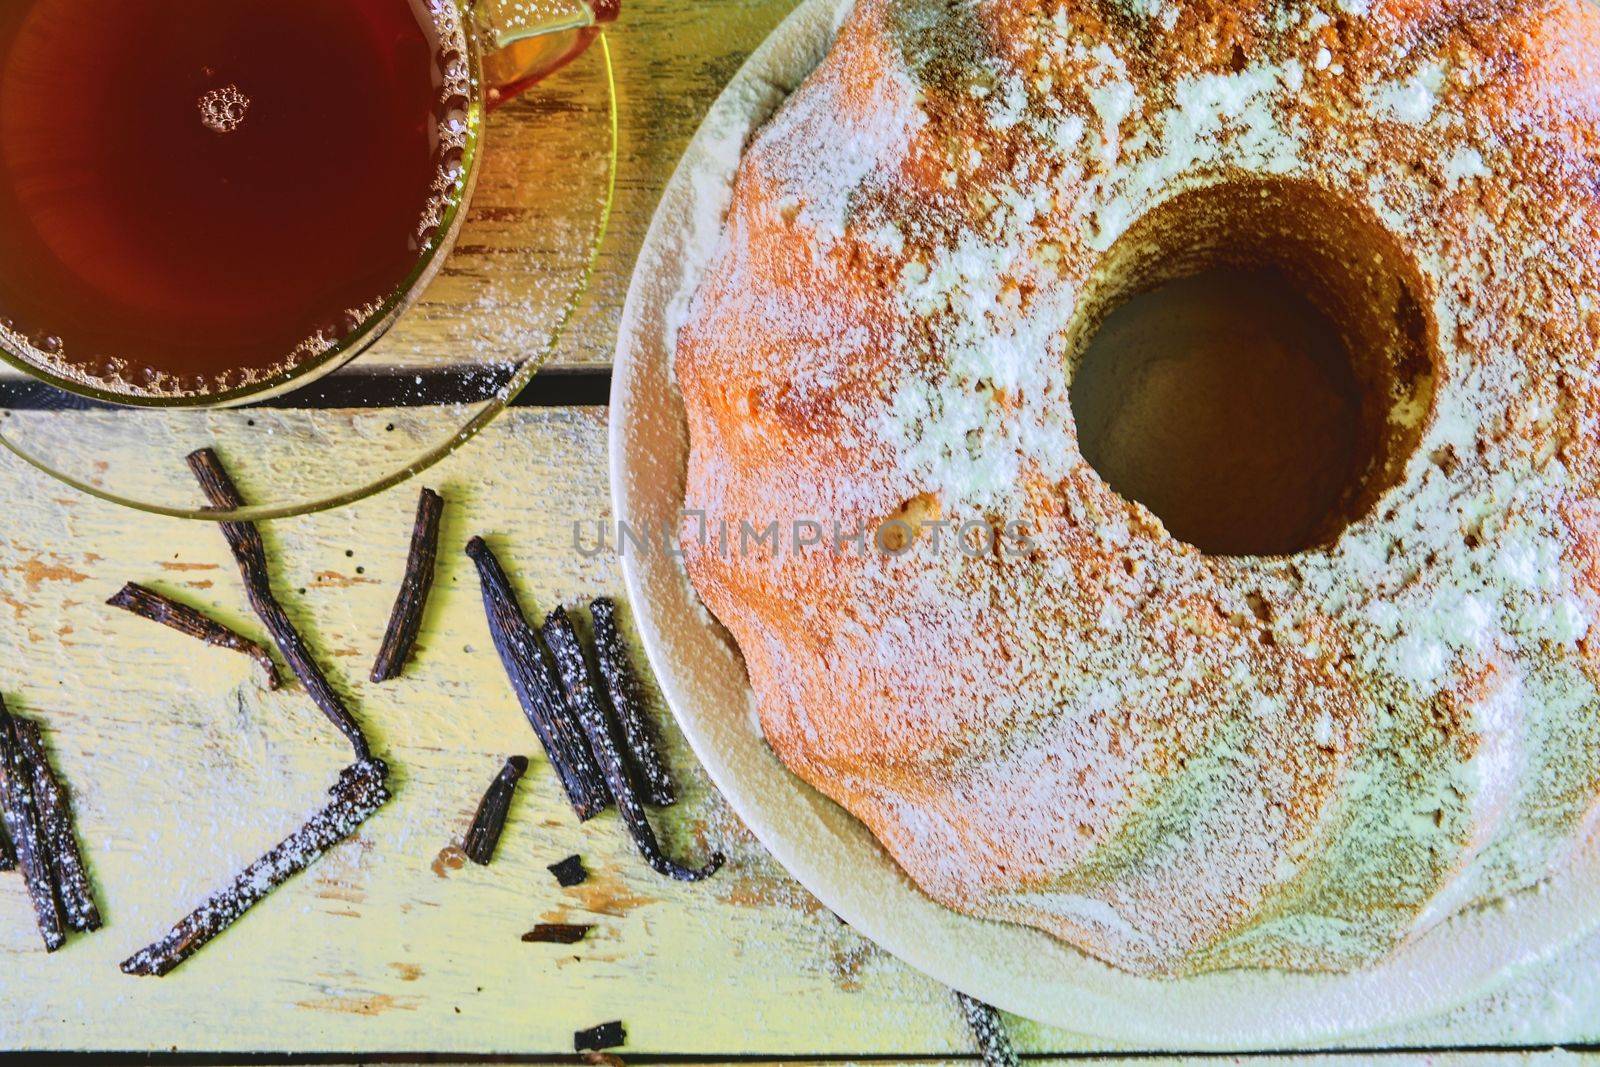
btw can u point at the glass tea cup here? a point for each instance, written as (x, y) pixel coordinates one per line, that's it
(509, 47)
(550, 167)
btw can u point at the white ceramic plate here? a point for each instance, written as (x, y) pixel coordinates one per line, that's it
(1021, 970)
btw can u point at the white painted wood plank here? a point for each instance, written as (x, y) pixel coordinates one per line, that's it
(184, 768)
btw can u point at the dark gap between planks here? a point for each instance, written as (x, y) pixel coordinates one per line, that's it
(1354, 1054)
(554, 387)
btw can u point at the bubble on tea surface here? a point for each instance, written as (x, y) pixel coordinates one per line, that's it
(223, 110)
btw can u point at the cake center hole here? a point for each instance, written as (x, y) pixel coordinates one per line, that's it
(1226, 404)
(1253, 368)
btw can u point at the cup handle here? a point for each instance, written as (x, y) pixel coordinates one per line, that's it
(526, 40)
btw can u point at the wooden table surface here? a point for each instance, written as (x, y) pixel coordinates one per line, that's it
(183, 766)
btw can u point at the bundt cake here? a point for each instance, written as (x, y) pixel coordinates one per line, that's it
(1271, 721)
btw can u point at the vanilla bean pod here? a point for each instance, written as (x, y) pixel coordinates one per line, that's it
(537, 688)
(583, 701)
(21, 819)
(994, 1044)
(50, 801)
(622, 686)
(490, 820)
(8, 857)
(149, 604)
(359, 792)
(405, 622)
(244, 539)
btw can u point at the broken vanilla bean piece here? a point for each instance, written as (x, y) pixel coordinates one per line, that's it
(537, 688)
(149, 604)
(622, 686)
(569, 872)
(251, 554)
(359, 792)
(558, 933)
(583, 701)
(405, 622)
(490, 820)
(74, 891)
(21, 819)
(599, 1038)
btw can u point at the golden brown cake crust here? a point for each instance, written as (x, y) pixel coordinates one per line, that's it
(1177, 761)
